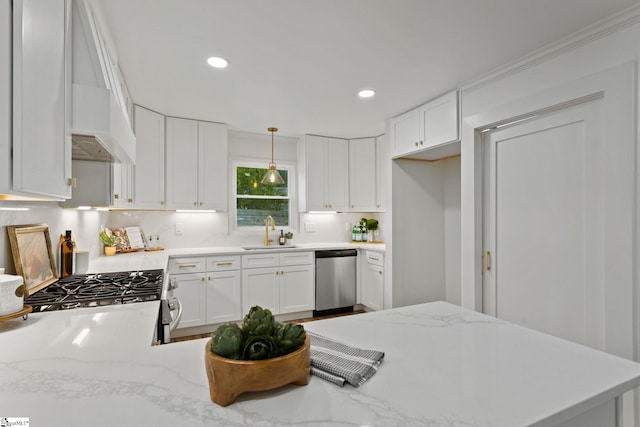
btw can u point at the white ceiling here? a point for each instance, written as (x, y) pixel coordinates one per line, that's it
(298, 64)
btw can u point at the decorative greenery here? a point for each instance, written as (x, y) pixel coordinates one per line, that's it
(260, 337)
(371, 223)
(108, 240)
(288, 235)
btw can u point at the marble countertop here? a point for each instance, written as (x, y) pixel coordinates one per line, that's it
(444, 366)
(152, 260)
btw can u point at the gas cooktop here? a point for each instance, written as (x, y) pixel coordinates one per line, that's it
(91, 290)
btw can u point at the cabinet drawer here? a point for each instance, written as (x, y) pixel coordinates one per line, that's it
(222, 263)
(374, 258)
(260, 260)
(187, 265)
(296, 258)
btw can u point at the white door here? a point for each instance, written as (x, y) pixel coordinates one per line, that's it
(544, 224)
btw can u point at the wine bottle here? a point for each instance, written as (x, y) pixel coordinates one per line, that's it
(66, 255)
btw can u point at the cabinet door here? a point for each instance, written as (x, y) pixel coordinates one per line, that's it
(259, 288)
(337, 165)
(122, 185)
(182, 163)
(315, 157)
(149, 168)
(41, 97)
(191, 291)
(405, 133)
(296, 288)
(372, 286)
(223, 296)
(212, 166)
(440, 120)
(362, 175)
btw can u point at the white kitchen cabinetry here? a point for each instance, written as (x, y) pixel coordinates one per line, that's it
(122, 178)
(223, 289)
(429, 132)
(149, 169)
(327, 172)
(282, 282)
(208, 289)
(35, 142)
(196, 159)
(372, 280)
(364, 182)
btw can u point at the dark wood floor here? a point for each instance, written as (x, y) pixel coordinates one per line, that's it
(306, 319)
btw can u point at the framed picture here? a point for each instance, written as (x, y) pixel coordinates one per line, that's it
(33, 255)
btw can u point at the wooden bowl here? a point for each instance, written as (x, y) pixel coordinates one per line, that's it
(229, 378)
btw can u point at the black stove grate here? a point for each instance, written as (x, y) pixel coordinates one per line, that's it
(90, 290)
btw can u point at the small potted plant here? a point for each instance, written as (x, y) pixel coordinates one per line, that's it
(109, 243)
(372, 230)
(288, 237)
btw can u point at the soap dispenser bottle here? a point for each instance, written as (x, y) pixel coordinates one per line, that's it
(281, 239)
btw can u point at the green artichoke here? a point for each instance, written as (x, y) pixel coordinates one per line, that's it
(289, 337)
(258, 321)
(228, 341)
(259, 347)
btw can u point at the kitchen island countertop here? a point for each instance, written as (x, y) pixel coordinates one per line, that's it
(444, 366)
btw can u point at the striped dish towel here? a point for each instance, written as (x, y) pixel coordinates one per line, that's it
(340, 363)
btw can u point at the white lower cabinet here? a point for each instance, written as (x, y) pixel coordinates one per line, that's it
(281, 282)
(372, 280)
(208, 288)
(191, 292)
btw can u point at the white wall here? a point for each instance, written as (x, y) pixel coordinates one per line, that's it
(85, 226)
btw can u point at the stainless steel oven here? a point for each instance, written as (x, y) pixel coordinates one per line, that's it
(170, 312)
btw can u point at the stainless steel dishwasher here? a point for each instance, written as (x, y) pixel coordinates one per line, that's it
(335, 281)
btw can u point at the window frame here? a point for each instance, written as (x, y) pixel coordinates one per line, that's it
(290, 167)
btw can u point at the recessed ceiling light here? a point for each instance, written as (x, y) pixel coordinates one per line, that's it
(217, 62)
(366, 93)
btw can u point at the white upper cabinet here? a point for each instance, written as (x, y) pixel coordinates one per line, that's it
(149, 169)
(122, 181)
(196, 159)
(429, 132)
(40, 66)
(363, 179)
(327, 173)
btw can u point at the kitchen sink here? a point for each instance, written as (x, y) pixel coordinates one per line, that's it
(258, 248)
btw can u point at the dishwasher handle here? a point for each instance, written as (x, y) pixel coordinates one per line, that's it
(337, 253)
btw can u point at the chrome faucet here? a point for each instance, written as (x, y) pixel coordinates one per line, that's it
(268, 219)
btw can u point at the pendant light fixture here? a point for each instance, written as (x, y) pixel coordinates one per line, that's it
(272, 176)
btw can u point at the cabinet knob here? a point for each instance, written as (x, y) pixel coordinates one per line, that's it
(195, 203)
(201, 203)
(161, 202)
(421, 142)
(379, 272)
(72, 182)
(202, 279)
(130, 200)
(116, 197)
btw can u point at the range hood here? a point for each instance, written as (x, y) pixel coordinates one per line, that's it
(99, 129)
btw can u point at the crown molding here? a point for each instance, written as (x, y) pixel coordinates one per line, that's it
(584, 36)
